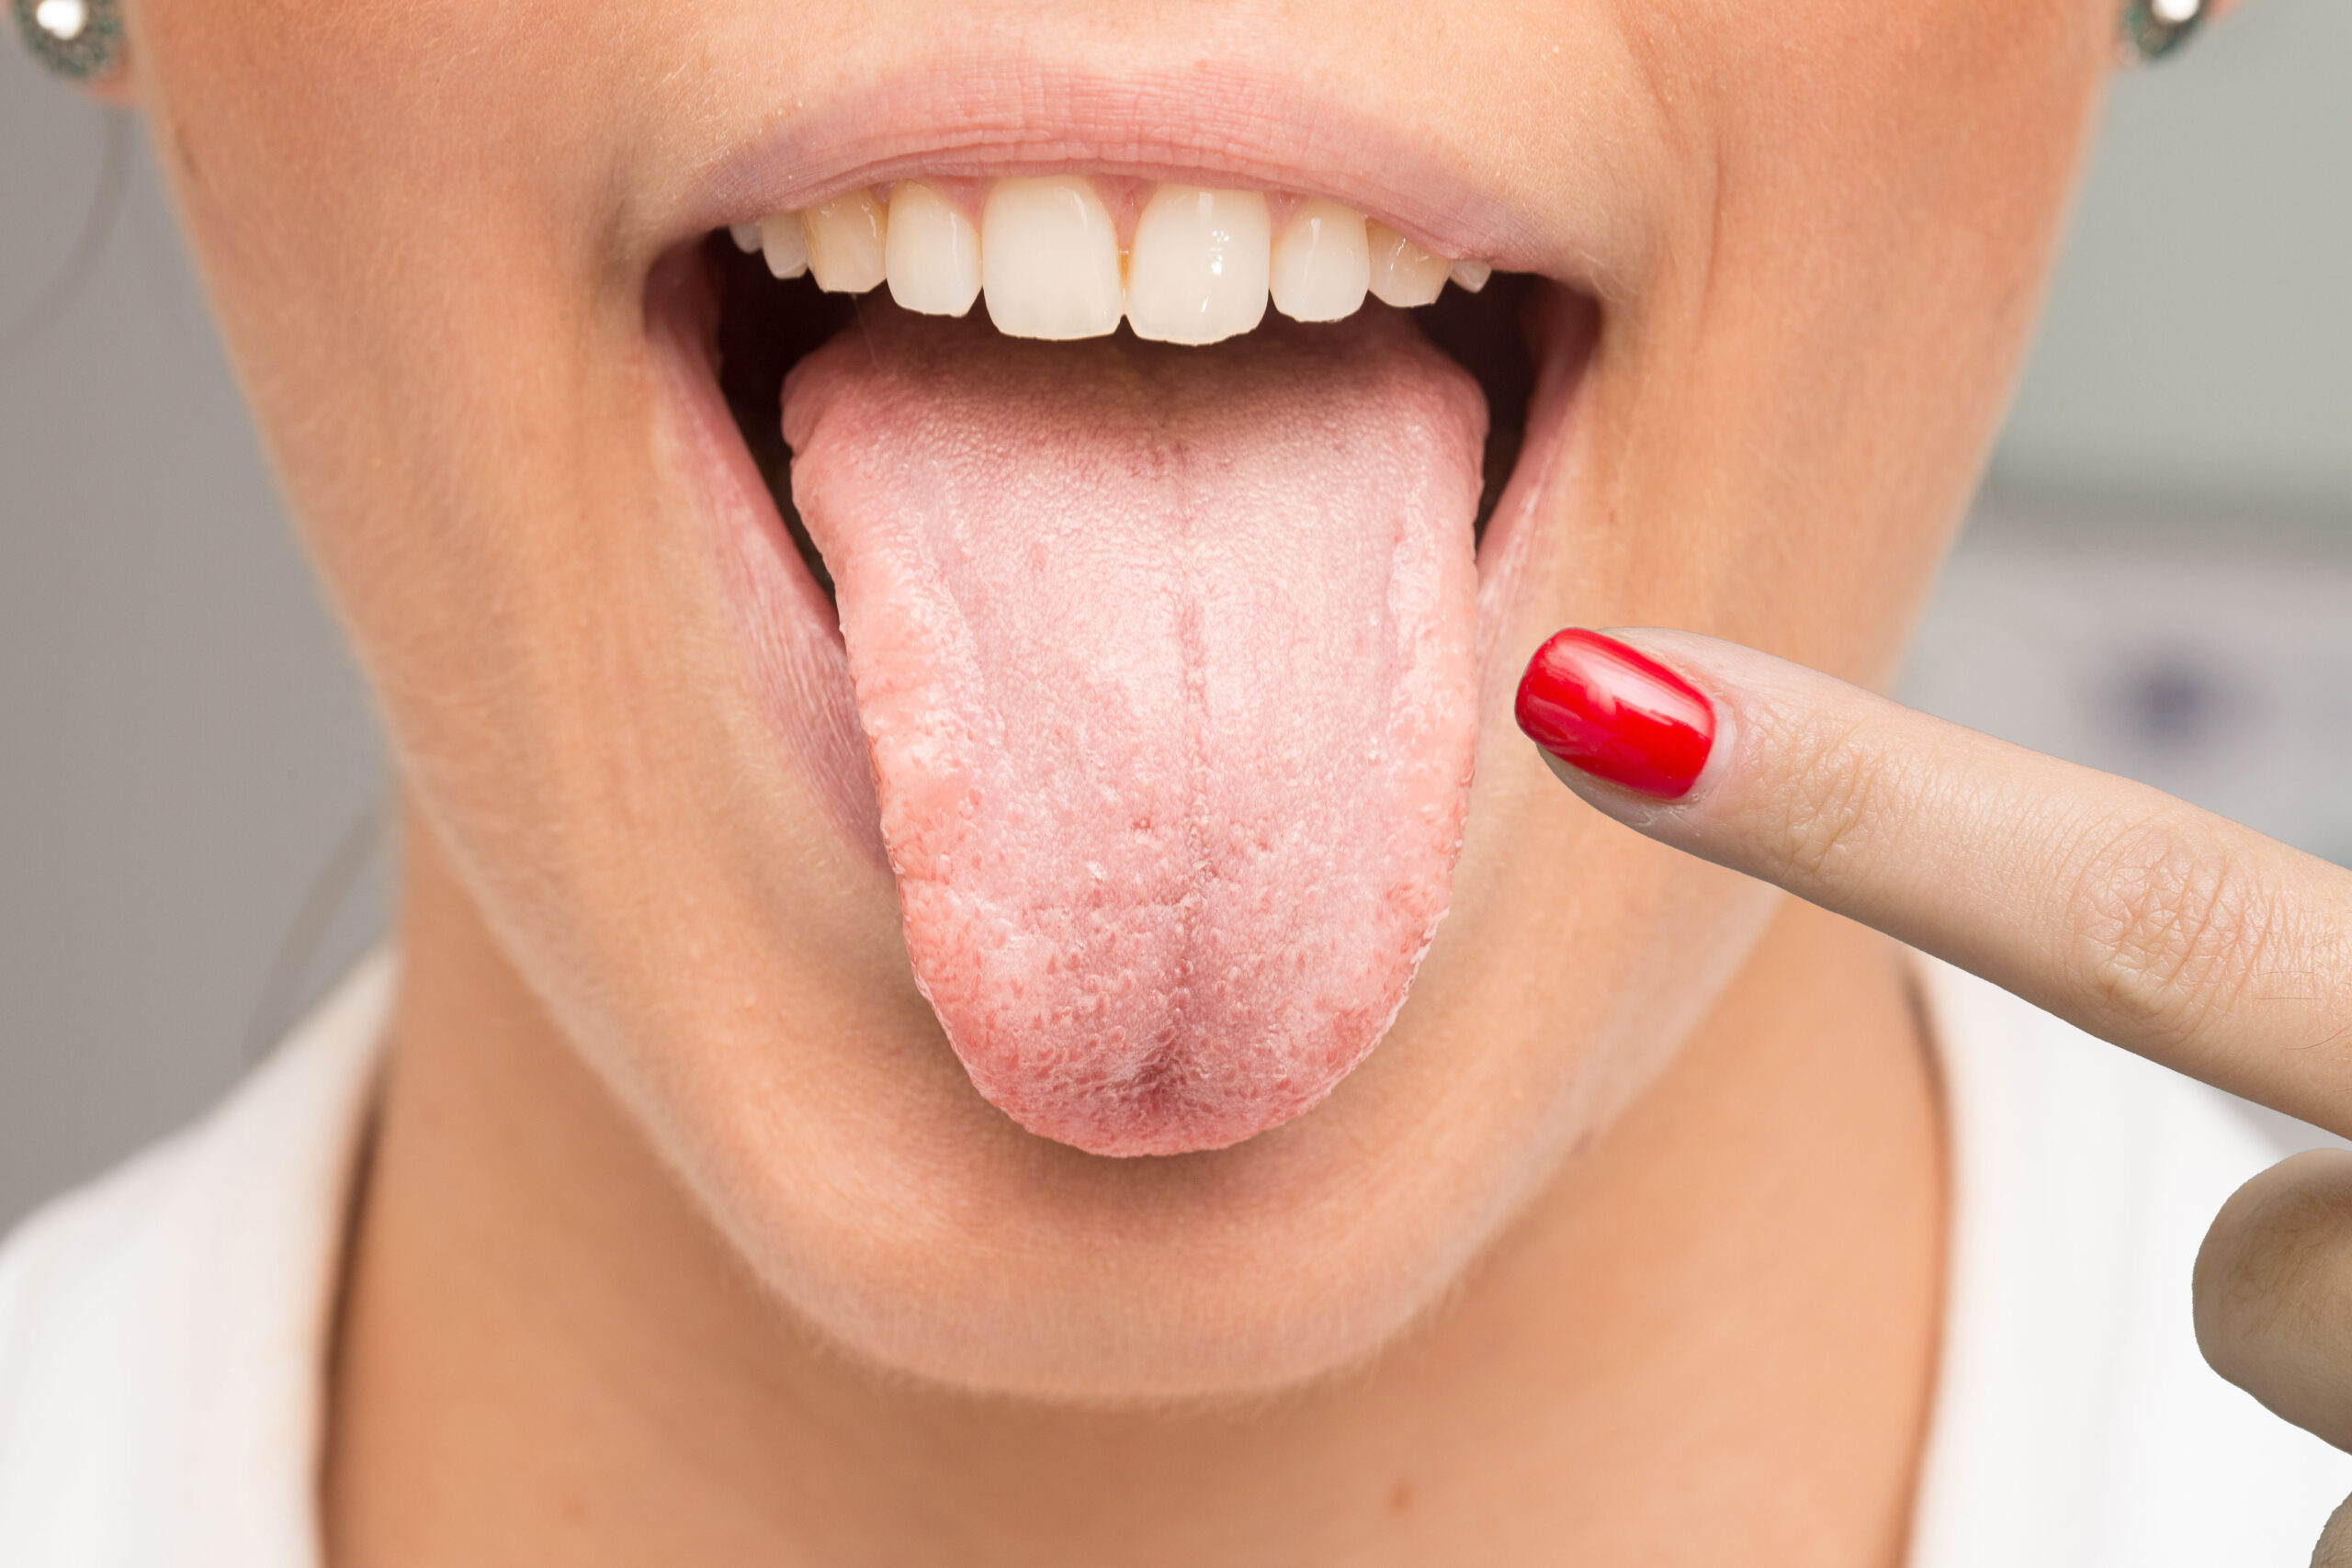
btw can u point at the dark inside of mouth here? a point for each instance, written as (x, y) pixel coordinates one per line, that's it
(766, 324)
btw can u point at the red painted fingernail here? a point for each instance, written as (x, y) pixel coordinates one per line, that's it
(1618, 714)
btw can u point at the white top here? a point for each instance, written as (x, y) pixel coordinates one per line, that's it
(163, 1333)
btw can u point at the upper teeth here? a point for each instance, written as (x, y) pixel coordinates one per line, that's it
(1322, 263)
(1049, 260)
(1201, 265)
(1403, 273)
(843, 239)
(933, 253)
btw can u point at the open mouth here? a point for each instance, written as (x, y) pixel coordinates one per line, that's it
(1149, 522)
(773, 310)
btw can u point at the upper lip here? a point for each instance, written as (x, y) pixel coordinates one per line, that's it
(1010, 117)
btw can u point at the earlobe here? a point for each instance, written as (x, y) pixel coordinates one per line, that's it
(80, 41)
(116, 89)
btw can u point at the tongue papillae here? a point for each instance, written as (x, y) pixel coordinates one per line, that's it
(1165, 657)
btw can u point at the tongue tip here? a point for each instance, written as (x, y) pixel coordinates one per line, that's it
(1165, 1110)
(1138, 1132)
(1194, 1095)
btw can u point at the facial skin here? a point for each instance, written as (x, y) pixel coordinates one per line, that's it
(659, 1060)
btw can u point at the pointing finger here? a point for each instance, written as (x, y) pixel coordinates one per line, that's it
(2164, 928)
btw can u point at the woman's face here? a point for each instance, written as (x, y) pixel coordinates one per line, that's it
(1789, 254)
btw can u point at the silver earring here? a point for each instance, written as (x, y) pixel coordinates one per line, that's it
(2154, 28)
(78, 40)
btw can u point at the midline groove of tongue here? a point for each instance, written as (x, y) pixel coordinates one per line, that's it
(1164, 659)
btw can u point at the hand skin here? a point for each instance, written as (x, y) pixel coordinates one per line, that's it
(2180, 935)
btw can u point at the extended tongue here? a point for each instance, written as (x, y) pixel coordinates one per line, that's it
(1165, 657)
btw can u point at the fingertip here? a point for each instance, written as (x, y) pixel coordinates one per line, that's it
(1597, 704)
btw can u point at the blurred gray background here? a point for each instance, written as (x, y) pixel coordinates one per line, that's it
(2158, 580)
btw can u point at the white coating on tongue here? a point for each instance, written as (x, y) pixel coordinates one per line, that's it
(1165, 657)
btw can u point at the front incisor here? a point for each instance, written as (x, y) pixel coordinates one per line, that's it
(1049, 260)
(1197, 274)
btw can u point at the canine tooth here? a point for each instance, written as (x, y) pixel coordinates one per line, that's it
(745, 235)
(845, 243)
(1470, 275)
(1322, 263)
(1198, 270)
(1402, 273)
(1049, 259)
(785, 243)
(932, 252)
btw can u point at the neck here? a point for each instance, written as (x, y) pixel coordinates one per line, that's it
(1711, 1339)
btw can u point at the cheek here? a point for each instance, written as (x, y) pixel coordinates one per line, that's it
(1795, 412)
(414, 302)
(335, 161)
